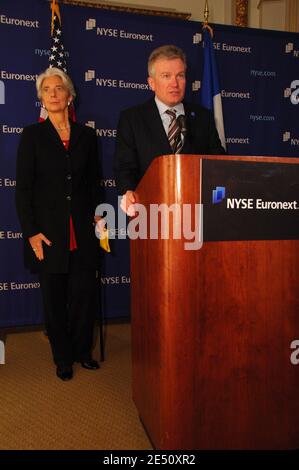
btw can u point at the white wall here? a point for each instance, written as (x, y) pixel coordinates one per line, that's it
(195, 7)
(272, 14)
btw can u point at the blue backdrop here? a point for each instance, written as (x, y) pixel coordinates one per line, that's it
(107, 60)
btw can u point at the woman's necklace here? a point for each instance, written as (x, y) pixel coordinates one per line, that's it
(62, 128)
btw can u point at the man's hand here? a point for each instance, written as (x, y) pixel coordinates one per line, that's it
(100, 226)
(36, 243)
(127, 203)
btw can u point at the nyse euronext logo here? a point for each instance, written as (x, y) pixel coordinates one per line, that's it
(101, 132)
(90, 75)
(19, 22)
(287, 138)
(219, 194)
(293, 95)
(196, 85)
(115, 33)
(197, 38)
(90, 24)
(2, 92)
(17, 76)
(289, 49)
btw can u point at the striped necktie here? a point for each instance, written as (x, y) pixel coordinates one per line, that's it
(174, 132)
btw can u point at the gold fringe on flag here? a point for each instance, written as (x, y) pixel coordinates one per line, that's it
(55, 11)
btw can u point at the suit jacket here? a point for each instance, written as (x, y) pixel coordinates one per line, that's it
(141, 137)
(52, 184)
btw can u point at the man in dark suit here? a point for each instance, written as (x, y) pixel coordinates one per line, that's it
(163, 125)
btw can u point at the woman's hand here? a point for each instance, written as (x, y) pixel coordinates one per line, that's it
(100, 225)
(36, 243)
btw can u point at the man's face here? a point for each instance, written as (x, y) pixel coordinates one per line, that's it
(169, 81)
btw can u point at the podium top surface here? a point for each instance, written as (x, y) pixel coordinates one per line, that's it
(247, 158)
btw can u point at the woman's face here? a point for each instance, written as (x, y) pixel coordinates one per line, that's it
(54, 95)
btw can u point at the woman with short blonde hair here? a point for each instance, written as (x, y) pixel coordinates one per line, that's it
(57, 192)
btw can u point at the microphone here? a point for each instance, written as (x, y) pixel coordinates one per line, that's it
(181, 120)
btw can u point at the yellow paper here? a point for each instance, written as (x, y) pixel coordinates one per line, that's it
(104, 241)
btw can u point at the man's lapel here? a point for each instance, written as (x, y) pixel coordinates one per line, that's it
(190, 122)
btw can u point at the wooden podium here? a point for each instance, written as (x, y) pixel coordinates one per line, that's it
(212, 328)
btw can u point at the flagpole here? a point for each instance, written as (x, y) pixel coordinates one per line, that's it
(206, 13)
(52, 6)
(206, 19)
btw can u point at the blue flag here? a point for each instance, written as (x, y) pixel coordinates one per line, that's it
(210, 89)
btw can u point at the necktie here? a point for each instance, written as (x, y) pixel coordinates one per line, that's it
(174, 132)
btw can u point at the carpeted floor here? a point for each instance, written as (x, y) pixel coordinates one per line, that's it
(92, 411)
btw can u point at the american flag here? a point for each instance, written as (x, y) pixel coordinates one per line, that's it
(57, 57)
(57, 52)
